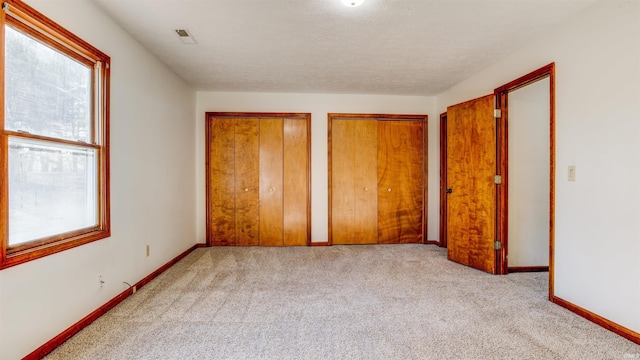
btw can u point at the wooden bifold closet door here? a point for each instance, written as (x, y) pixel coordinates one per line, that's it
(258, 179)
(377, 178)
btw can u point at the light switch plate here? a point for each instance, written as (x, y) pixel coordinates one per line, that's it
(572, 173)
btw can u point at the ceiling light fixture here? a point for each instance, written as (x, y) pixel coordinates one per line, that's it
(352, 3)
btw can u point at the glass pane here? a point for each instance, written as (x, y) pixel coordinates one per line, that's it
(46, 92)
(52, 189)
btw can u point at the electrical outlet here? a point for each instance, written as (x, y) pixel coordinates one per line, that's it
(147, 250)
(133, 290)
(101, 281)
(572, 173)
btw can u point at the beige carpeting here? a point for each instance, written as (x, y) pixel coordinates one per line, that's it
(340, 302)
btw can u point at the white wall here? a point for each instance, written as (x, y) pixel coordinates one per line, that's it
(597, 232)
(152, 192)
(528, 238)
(319, 105)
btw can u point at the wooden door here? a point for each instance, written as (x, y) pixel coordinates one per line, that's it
(247, 181)
(296, 182)
(354, 209)
(220, 182)
(271, 181)
(400, 181)
(471, 205)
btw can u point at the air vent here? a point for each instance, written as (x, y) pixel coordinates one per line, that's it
(185, 36)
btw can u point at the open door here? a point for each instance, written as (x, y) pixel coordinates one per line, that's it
(471, 189)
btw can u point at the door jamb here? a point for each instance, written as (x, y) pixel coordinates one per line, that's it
(501, 96)
(442, 241)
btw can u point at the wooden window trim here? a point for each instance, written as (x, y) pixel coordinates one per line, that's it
(27, 20)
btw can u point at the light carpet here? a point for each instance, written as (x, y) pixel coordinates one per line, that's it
(340, 302)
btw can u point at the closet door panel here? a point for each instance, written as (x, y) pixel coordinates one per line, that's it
(400, 182)
(343, 150)
(271, 176)
(221, 222)
(296, 182)
(366, 181)
(247, 182)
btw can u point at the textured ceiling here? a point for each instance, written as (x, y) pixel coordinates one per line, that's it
(404, 47)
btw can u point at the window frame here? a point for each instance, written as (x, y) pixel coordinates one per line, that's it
(28, 21)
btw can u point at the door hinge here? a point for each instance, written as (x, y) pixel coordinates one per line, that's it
(497, 113)
(497, 179)
(497, 245)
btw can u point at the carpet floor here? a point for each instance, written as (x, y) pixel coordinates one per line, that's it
(340, 302)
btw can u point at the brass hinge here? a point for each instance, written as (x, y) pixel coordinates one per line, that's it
(497, 113)
(497, 245)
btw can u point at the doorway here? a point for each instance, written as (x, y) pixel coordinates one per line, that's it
(491, 245)
(528, 178)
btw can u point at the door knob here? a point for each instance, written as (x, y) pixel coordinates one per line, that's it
(270, 189)
(448, 191)
(246, 189)
(389, 189)
(366, 189)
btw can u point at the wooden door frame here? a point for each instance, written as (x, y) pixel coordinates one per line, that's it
(501, 95)
(376, 117)
(442, 241)
(212, 115)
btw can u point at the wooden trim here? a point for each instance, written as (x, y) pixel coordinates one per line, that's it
(223, 114)
(522, 269)
(432, 242)
(4, 155)
(319, 243)
(443, 181)
(337, 116)
(502, 99)
(502, 193)
(527, 79)
(27, 20)
(207, 124)
(552, 177)
(42, 38)
(598, 320)
(309, 208)
(50, 345)
(42, 138)
(425, 177)
(19, 9)
(329, 172)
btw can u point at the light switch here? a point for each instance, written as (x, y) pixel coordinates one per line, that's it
(572, 173)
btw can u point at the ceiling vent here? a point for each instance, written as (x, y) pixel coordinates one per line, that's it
(185, 36)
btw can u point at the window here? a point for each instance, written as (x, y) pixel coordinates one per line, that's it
(54, 189)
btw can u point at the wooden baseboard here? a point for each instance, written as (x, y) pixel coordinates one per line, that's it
(432, 242)
(75, 328)
(599, 320)
(319, 243)
(521, 269)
